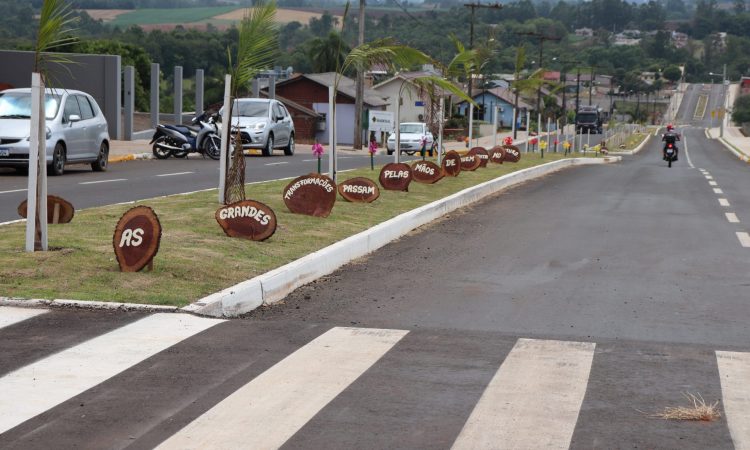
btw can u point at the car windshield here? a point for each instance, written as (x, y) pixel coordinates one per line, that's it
(587, 117)
(17, 105)
(411, 128)
(250, 109)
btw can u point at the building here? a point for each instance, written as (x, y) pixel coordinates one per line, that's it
(584, 32)
(310, 91)
(679, 40)
(745, 86)
(416, 103)
(487, 99)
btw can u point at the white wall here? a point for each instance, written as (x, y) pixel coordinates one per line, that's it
(409, 112)
(344, 123)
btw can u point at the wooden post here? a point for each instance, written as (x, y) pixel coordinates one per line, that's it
(36, 218)
(226, 126)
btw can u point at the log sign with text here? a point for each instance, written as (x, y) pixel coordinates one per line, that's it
(470, 161)
(395, 176)
(247, 219)
(136, 239)
(512, 154)
(59, 210)
(312, 195)
(497, 154)
(426, 172)
(482, 154)
(360, 190)
(452, 163)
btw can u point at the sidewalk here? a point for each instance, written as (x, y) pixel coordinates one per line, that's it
(734, 139)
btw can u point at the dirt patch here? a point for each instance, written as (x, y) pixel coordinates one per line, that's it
(192, 26)
(106, 15)
(282, 15)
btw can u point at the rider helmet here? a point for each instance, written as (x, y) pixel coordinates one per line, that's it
(670, 127)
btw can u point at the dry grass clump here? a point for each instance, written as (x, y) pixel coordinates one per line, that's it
(699, 410)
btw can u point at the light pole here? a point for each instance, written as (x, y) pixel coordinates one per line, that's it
(472, 7)
(723, 98)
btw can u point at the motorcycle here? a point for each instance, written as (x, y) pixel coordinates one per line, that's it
(180, 140)
(670, 154)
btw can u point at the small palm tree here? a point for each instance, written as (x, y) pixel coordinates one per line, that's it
(327, 54)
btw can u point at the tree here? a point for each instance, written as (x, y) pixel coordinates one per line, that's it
(741, 110)
(327, 54)
(672, 73)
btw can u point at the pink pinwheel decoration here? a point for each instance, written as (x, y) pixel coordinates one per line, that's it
(508, 140)
(317, 149)
(373, 148)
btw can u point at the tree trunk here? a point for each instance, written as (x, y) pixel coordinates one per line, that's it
(358, 101)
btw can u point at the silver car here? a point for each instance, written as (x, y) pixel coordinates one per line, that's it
(263, 123)
(76, 130)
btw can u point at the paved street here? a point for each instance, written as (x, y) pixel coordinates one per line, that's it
(563, 313)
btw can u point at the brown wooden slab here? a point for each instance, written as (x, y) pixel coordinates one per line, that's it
(512, 153)
(452, 163)
(312, 195)
(481, 152)
(426, 172)
(247, 219)
(360, 190)
(497, 154)
(395, 177)
(136, 239)
(470, 162)
(59, 210)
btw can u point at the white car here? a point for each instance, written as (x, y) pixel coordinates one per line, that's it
(76, 130)
(412, 136)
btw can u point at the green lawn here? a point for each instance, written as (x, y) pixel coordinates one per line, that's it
(177, 15)
(195, 257)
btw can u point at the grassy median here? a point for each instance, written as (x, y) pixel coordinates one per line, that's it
(196, 258)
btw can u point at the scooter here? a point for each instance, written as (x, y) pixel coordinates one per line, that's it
(670, 154)
(180, 140)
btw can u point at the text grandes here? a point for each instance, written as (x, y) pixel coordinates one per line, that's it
(239, 212)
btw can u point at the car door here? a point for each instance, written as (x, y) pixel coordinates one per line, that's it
(89, 144)
(73, 131)
(281, 126)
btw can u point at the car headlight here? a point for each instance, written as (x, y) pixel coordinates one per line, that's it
(260, 125)
(47, 135)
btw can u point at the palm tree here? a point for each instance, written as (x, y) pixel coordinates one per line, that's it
(520, 85)
(327, 54)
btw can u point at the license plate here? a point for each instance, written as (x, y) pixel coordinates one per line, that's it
(670, 151)
(4, 152)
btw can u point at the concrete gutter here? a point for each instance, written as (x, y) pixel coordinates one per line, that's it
(84, 304)
(271, 287)
(635, 150)
(129, 157)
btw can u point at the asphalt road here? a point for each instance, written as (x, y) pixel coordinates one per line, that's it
(565, 312)
(138, 180)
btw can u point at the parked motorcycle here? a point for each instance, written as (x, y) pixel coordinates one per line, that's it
(180, 140)
(670, 154)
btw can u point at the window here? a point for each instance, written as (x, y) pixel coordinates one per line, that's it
(17, 105)
(250, 109)
(86, 111)
(71, 108)
(277, 112)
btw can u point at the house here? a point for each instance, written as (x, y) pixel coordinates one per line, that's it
(648, 77)
(679, 40)
(306, 120)
(584, 32)
(311, 91)
(416, 104)
(745, 86)
(487, 99)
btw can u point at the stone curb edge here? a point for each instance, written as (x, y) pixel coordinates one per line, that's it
(635, 150)
(738, 154)
(84, 304)
(130, 157)
(273, 286)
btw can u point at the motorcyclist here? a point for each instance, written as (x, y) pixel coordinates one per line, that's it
(670, 137)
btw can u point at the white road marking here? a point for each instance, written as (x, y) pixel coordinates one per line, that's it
(687, 154)
(732, 217)
(276, 163)
(734, 371)
(39, 386)
(309, 160)
(713, 183)
(14, 190)
(10, 315)
(744, 238)
(718, 191)
(104, 181)
(723, 202)
(267, 411)
(534, 398)
(173, 174)
(709, 177)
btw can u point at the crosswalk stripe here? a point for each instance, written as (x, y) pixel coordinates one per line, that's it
(272, 407)
(734, 370)
(534, 398)
(44, 384)
(10, 315)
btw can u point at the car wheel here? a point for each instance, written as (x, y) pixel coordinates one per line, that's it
(58, 160)
(100, 165)
(410, 152)
(390, 152)
(268, 149)
(289, 149)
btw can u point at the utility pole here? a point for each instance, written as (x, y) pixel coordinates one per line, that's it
(578, 87)
(591, 84)
(360, 88)
(542, 38)
(473, 7)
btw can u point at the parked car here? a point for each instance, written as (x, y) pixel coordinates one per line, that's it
(263, 124)
(76, 130)
(412, 135)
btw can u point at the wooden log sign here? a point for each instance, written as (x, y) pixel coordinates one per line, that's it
(452, 163)
(312, 195)
(247, 219)
(470, 162)
(512, 154)
(426, 172)
(497, 154)
(59, 210)
(481, 152)
(360, 190)
(136, 239)
(395, 177)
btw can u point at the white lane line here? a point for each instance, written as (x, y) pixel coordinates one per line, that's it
(744, 240)
(35, 388)
(723, 202)
(271, 408)
(173, 174)
(276, 163)
(734, 371)
(687, 154)
(104, 181)
(15, 190)
(732, 217)
(534, 398)
(713, 183)
(718, 191)
(709, 177)
(10, 315)
(309, 160)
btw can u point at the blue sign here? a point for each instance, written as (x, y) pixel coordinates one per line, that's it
(419, 103)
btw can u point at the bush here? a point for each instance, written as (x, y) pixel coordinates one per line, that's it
(741, 111)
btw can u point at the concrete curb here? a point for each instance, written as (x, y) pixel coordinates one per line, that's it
(82, 304)
(130, 157)
(273, 286)
(741, 156)
(635, 150)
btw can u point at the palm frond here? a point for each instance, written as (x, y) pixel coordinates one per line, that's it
(386, 52)
(257, 44)
(56, 23)
(433, 83)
